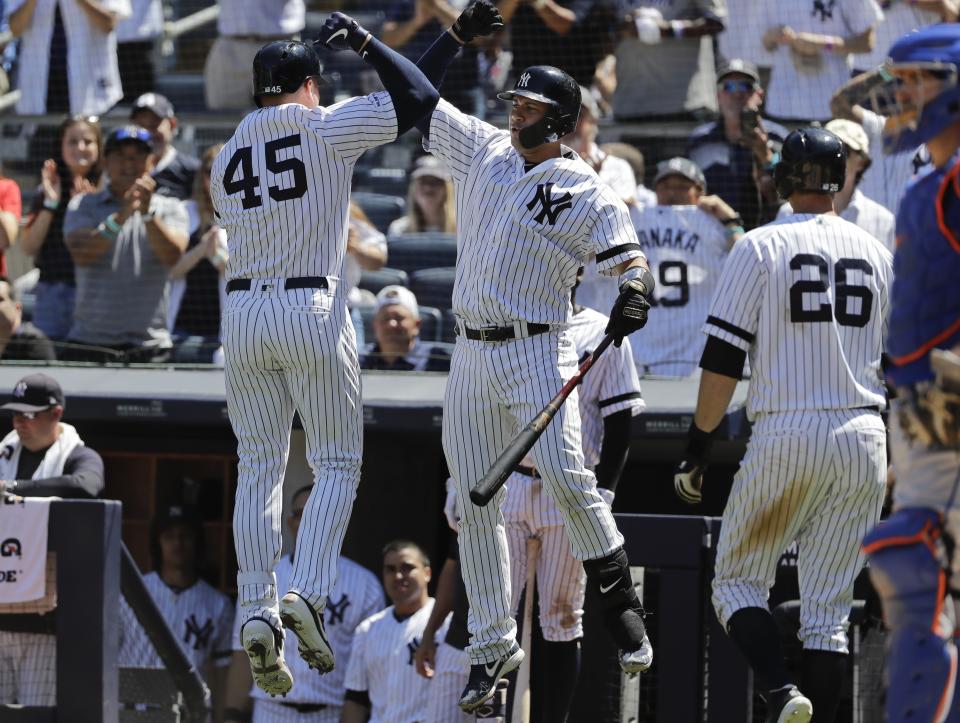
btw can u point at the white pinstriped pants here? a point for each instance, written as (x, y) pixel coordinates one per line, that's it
(290, 351)
(529, 512)
(28, 668)
(817, 478)
(450, 673)
(493, 389)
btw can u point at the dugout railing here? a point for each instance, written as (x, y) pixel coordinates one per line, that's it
(93, 569)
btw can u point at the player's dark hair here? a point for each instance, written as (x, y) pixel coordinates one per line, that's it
(397, 545)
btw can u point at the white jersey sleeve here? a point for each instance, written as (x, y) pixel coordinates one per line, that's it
(356, 124)
(455, 137)
(357, 668)
(735, 308)
(619, 383)
(612, 233)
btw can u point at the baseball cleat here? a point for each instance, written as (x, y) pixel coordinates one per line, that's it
(637, 661)
(788, 705)
(299, 616)
(483, 679)
(263, 644)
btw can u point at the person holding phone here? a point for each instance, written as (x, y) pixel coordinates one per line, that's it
(737, 152)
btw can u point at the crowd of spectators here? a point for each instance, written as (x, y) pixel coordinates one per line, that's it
(153, 285)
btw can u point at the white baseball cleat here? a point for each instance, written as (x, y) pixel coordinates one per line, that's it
(306, 623)
(264, 646)
(637, 661)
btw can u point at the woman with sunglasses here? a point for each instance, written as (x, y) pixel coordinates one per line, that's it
(75, 172)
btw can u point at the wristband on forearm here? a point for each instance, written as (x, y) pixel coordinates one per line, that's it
(638, 272)
(50, 204)
(698, 444)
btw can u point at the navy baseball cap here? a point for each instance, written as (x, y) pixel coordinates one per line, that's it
(157, 104)
(681, 167)
(128, 134)
(737, 66)
(35, 393)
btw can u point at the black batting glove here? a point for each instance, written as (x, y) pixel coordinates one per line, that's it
(688, 475)
(629, 312)
(478, 19)
(341, 32)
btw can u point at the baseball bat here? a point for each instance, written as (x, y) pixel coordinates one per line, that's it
(521, 694)
(484, 490)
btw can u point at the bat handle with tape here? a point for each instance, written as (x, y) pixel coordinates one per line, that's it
(484, 490)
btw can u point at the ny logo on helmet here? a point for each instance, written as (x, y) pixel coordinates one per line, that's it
(20, 389)
(524, 80)
(550, 207)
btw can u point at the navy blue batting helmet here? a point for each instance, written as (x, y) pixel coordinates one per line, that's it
(282, 66)
(559, 91)
(812, 159)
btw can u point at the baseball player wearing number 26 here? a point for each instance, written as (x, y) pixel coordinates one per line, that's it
(530, 212)
(914, 563)
(806, 298)
(281, 187)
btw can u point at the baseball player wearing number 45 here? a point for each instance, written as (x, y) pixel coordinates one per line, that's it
(807, 298)
(529, 214)
(914, 563)
(281, 188)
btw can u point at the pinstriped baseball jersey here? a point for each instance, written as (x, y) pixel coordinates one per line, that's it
(381, 663)
(356, 596)
(686, 248)
(807, 297)
(522, 235)
(281, 184)
(200, 617)
(611, 386)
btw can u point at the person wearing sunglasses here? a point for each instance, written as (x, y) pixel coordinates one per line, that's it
(737, 151)
(43, 456)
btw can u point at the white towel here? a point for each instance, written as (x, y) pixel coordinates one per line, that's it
(23, 548)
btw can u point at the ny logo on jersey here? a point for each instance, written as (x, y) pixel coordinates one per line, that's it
(336, 610)
(412, 649)
(200, 633)
(550, 207)
(825, 8)
(524, 79)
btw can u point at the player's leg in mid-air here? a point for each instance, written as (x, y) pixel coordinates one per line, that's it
(538, 367)
(321, 368)
(261, 412)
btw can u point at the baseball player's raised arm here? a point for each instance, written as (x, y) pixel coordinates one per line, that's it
(411, 93)
(456, 137)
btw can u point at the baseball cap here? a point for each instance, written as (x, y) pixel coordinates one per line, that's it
(738, 66)
(155, 103)
(852, 134)
(128, 134)
(393, 294)
(432, 167)
(35, 393)
(176, 514)
(681, 167)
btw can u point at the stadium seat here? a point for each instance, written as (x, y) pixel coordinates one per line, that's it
(373, 281)
(415, 251)
(390, 181)
(433, 287)
(380, 209)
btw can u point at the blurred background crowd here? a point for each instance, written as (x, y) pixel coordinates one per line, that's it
(716, 82)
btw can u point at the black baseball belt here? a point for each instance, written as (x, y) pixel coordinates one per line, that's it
(502, 333)
(305, 707)
(297, 282)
